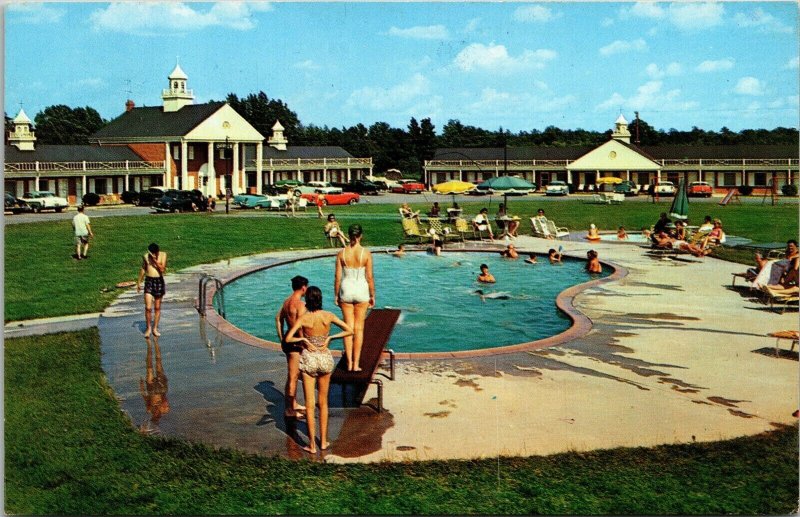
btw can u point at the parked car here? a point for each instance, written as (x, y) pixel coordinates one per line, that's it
(362, 187)
(40, 200)
(15, 205)
(556, 188)
(408, 187)
(181, 201)
(319, 187)
(383, 183)
(665, 188)
(148, 197)
(699, 189)
(627, 188)
(342, 198)
(256, 201)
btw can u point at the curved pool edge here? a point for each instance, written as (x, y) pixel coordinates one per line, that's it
(581, 324)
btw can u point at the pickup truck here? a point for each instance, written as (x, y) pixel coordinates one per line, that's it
(40, 200)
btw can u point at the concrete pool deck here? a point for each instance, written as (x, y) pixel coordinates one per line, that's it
(674, 356)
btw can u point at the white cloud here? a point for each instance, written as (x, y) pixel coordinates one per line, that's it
(495, 58)
(506, 102)
(683, 15)
(715, 65)
(436, 32)
(749, 86)
(607, 22)
(153, 18)
(535, 13)
(788, 102)
(648, 96)
(390, 98)
(671, 70)
(761, 20)
(792, 64)
(308, 64)
(35, 13)
(620, 47)
(693, 16)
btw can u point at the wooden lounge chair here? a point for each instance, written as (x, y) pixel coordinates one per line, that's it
(780, 298)
(377, 330)
(411, 230)
(792, 335)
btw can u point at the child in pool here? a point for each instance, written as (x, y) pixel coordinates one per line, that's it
(594, 234)
(622, 234)
(593, 264)
(485, 277)
(531, 258)
(554, 256)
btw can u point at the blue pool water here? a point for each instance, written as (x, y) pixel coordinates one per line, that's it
(440, 309)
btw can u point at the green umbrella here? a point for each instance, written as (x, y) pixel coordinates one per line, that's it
(507, 185)
(680, 205)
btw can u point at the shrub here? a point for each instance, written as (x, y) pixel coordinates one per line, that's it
(745, 190)
(789, 190)
(91, 199)
(129, 196)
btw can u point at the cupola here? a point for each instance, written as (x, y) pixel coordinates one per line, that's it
(277, 140)
(22, 136)
(621, 132)
(177, 95)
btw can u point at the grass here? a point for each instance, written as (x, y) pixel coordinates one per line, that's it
(69, 450)
(42, 280)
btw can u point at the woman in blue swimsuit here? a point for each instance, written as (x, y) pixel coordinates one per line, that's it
(354, 287)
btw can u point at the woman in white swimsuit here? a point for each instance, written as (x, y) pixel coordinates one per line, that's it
(316, 363)
(354, 288)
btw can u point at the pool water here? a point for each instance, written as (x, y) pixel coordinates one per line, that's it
(632, 237)
(440, 309)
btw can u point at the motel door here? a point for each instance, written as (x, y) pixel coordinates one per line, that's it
(72, 191)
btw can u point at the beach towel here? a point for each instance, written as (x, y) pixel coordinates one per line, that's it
(771, 273)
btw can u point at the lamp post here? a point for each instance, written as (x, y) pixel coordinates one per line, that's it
(228, 190)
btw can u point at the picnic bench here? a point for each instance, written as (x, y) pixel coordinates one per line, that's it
(377, 330)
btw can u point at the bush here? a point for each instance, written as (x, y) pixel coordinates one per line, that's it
(745, 190)
(789, 190)
(91, 199)
(129, 196)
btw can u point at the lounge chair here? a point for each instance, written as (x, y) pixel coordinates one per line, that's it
(462, 228)
(437, 226)
(598, 199)
(377, 330)
(478, 233)
(778, 297)
(411, 230)
(792, 335)
(539, 228)
(558, 232)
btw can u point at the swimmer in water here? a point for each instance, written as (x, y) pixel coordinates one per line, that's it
(509, 252)
(531, 258)
(554, 256)
(399, 252)
(492, 296)
(485, 277)
(593, 263)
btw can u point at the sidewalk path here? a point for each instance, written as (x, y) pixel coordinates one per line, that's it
(50, 325)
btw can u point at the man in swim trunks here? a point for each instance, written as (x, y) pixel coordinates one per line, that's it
(291, 310)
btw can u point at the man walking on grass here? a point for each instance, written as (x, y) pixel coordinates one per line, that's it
(83, 230)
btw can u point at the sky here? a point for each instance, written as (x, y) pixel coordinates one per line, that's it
(519, 66)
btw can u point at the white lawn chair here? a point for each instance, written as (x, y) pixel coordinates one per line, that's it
(556, 231)
(539, 228)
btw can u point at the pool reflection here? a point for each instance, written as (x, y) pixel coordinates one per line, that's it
(154, 386)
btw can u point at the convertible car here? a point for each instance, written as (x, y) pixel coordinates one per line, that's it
(344, 198)
(258, 201)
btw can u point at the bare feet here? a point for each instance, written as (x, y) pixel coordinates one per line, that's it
(324, 446)
(156, 332)
(310, 449)
(147, 333)
(298, 407)
(357, 369)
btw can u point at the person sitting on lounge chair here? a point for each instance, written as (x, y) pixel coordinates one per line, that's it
(481, 222)
(407, 213)
(715, 237)
(333, 230)
(753, 272)
(789, 279)
(660, 226)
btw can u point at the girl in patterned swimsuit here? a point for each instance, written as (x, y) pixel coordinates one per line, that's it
(354, 288)
(312, 330)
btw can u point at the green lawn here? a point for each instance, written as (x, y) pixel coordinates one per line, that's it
(42, 280)
(69, 450)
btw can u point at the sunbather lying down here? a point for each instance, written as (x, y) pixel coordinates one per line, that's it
(664, 241)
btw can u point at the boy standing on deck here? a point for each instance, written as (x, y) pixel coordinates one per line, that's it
(291, 310)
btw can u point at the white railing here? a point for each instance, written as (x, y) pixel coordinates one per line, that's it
(491, 164)
(169, 92)
(686, 162)
(126, 165)
(313, 163)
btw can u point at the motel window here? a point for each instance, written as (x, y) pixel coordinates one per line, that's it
(760, 179)
(100, 186)
(190, 152)
(176, 152)
(729, 179)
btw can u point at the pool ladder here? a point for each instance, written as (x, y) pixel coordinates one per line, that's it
(202, 287)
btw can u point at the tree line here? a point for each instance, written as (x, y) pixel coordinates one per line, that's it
(404, 148)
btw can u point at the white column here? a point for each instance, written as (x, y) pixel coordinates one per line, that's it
(658, 175)
(259, 168)
(569, 176)
(212, 172)
(167, 164)
(127, 181)
(627, 175)
(184, 165)
(83, 185)
(596, 176)
(36, 183)
(236, 179)
(349, 175)
(699, 174)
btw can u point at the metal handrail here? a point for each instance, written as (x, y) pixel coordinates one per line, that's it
(202, 287)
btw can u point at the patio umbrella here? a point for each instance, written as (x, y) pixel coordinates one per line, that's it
(453, 187)
(680, 205)
(507, 185)
(609, 180)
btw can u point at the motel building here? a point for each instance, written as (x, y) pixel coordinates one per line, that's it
(181, 145)
(723, 167)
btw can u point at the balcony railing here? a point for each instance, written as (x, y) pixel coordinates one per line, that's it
(118, 166)
(313, 163)
(169, 92)
(686, 162)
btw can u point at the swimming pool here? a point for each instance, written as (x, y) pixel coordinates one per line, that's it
(441, 310)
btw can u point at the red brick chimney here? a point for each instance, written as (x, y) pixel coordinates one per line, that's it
(129, 105)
